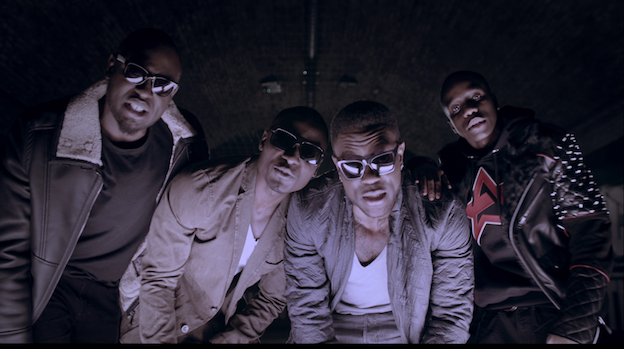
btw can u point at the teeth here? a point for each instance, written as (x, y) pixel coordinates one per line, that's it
(136, 107)
(474, 122)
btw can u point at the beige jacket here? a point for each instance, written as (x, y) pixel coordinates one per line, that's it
(193, 248)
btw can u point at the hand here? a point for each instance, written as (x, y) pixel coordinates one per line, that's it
(554, 339)
(431, 179)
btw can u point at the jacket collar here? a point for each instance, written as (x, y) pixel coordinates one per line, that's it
(81, 135)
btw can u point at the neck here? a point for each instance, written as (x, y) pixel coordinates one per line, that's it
(371, 235)
(371, 223)
(265, 203)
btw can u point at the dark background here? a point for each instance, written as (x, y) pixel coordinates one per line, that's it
(561, 58)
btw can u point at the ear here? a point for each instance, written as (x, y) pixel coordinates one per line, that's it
(452, 127)
(495, 101)
(173, 93)
(110, 67)
(265, 136)
(401, 153)
(335, 160)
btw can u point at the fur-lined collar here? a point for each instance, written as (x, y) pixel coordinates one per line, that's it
(81, 135)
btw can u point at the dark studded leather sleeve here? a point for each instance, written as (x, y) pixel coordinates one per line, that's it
(581, 211)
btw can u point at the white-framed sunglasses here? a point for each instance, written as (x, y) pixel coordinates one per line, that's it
(382, 163)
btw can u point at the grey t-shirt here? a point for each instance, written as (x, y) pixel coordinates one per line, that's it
(120, 218)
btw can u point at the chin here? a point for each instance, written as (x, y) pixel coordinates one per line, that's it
(376, 211)
(280, 187)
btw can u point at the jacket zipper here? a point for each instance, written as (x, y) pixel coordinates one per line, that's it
(513, 244)
(38, 309)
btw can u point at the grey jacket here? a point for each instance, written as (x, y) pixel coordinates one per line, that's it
(430, 269)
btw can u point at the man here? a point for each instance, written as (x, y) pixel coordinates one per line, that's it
(79, 180)
(542, 244)
(367, 260)
(212, 270)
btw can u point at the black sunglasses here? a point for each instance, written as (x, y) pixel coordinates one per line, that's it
(383, 163)
(137, 75)
(284, 140)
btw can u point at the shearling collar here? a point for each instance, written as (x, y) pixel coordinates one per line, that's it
(81, 135)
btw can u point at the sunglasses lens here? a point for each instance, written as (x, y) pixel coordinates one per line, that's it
(384, 163)
(282, 140)
(310, 153)
(352, 169)
(163, 87)
(135, 74)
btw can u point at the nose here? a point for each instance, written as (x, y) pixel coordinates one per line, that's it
(292, 155)
(471, 107)
(370, 175)
(145, 89)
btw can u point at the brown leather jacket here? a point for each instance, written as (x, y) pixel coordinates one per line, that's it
(49, 180)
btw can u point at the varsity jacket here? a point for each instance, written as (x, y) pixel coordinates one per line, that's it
(553, 213)
(429, 259)
(50, 177)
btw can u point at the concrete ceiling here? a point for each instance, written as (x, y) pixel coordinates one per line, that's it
(562, 58)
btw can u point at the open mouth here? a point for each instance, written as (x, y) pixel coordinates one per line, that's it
(283, 171)
(374, 196)
(475, 123)
(136, 106)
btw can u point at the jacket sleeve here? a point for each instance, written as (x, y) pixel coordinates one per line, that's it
(168, 248)
(451, 302)
(307, 284)
(265, 307)
(15, 262)
(581, 210)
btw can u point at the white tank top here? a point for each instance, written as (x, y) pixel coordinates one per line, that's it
(367, 288)
(250, 244)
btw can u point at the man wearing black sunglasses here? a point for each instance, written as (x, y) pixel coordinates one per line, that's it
(367, 259)
(80, 178)
(213, 267)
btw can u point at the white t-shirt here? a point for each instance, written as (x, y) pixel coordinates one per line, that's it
(367, 288)
(248, 248)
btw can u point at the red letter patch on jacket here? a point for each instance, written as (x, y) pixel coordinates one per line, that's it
(484, 196)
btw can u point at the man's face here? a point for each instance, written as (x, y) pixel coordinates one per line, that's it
(373, 194)
(130, 109)
(472, 113)
(284, 171)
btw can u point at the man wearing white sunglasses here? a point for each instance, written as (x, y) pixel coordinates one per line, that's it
(80, 178)
(367, 260)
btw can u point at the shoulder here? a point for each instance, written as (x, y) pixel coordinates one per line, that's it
(320, 189)
(319, 203)
(432, 213)
(528, 134)
(192, 120)
(210, 176)
(47, 114)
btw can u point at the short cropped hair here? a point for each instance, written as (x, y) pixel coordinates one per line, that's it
(463, 76)
(363, 116)
(301, 114)
(146, 39)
